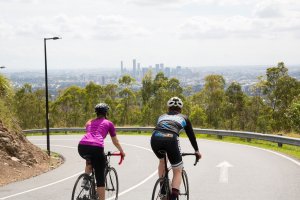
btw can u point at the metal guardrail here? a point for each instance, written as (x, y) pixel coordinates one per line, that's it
(280, 140)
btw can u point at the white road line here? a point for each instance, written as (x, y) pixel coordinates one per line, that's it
(270, 151)
(137, 185)
(34, 189)
(77, 174)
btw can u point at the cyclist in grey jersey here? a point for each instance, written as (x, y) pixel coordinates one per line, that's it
(174, 122)
(166, 137)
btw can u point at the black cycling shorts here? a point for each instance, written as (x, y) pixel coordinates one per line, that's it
(169, 143)
(96, 154)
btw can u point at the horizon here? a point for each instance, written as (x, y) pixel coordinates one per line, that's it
(118, 69)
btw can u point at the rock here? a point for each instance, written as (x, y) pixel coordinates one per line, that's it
(5, 139)
(15, 159)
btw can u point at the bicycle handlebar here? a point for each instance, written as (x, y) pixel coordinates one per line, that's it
(116, 154)
(192, 154)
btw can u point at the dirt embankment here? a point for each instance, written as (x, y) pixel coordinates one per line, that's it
(20, 159)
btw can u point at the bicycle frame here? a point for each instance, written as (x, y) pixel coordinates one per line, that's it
(91, 177)
(164, 181)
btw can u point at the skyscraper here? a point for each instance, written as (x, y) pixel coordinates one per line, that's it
(134, 68)
(122, 68)
(156, 68)
(138, 69)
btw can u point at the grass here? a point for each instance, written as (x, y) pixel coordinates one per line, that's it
(292, 151)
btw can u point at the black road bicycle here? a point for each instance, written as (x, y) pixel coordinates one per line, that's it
(85, 187)
(162, 187)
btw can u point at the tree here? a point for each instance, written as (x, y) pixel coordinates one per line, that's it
(128, 99)
(274, 74)
(7, 114)
(147, 88)
(6, 90)
(234, 110)
(30, 106)
(198, 116)
(111, 94)
(214, 98)
(68, 109)
(163, 90)
(280, 90)
(94, 94)
(293, 114)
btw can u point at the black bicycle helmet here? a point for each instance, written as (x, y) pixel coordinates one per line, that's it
(101, 108)
(175, 102)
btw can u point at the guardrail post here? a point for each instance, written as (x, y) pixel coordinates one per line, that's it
(279, 143)
(248, 139)
(220, 137)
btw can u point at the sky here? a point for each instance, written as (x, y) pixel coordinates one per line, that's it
(191, 33)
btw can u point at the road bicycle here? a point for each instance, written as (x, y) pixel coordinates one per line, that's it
(85, 187)
(162, 188)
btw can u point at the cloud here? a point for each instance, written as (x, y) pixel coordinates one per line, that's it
(268, 9)
(155, 2)
(238, 27)
(6, 30)
(19, 1)
(111, 27)
(116, 27)
(185, 2)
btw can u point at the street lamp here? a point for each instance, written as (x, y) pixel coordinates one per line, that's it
(2, 67)
(47, 102)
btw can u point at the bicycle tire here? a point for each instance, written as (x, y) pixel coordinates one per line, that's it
(111, 184)
(184, 193)
(158, 187)
(83, 192)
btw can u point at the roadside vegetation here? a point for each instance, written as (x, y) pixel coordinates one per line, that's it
(272, 105)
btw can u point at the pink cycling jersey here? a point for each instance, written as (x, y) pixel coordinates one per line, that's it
(96, 132)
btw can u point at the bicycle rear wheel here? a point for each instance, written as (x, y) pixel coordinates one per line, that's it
(184, 187)
(111, 184)
(161, 190)
(83, 189)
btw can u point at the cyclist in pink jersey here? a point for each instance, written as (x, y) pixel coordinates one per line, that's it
(92, 145)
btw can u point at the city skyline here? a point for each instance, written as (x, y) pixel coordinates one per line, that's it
(193, 33)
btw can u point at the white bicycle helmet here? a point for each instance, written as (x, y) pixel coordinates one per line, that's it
(176, 102)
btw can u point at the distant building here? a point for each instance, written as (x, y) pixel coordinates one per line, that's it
(103, 80)
(178, 70)
(138, 69)
(156, 68)
(167, 71)
(134, 68)
(144, 71)
(161, 67)
(122, 68)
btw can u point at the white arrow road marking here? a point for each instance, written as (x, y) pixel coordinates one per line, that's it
(224, 168)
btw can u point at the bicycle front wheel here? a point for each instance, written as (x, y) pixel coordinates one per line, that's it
(111, 184)
(161, 190)
(82, 189)
(184, 188)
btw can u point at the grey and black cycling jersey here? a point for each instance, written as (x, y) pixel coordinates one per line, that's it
(174, 122)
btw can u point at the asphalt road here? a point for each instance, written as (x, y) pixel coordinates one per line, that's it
(227, 171)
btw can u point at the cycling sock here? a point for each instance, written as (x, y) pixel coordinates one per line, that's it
(175, 193)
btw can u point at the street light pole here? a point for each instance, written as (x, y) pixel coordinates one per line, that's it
(47, 95)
